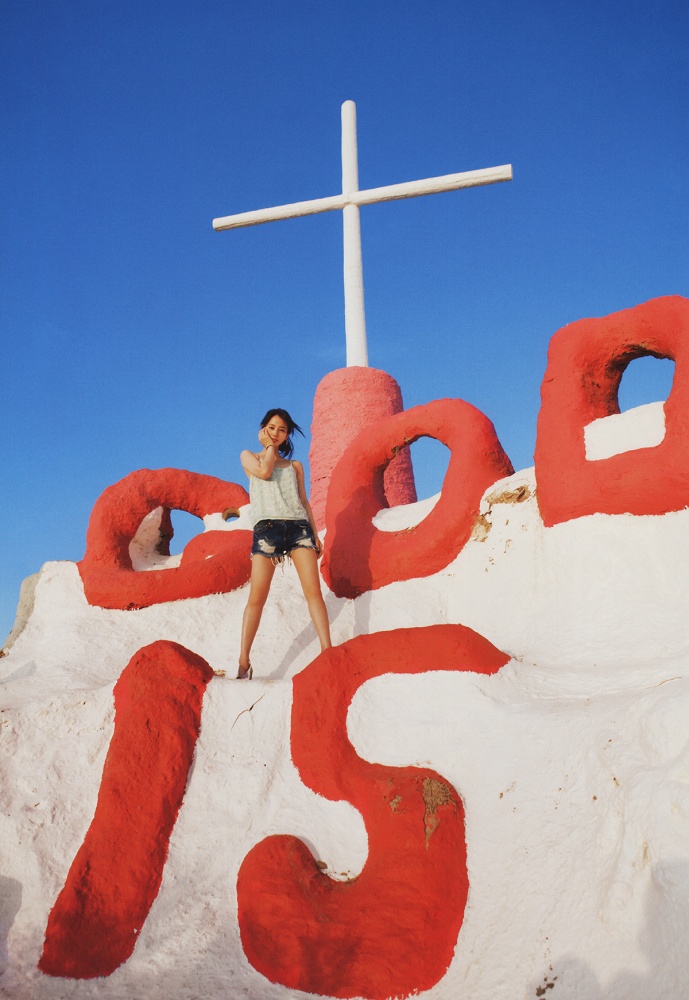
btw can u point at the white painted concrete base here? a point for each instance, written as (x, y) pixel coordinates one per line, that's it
(573, 761)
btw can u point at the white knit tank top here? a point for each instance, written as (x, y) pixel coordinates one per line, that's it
(277, 498)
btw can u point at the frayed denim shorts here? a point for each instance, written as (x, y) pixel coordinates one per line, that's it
(277, 539)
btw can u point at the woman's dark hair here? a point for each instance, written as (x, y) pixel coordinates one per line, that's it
(286, 448)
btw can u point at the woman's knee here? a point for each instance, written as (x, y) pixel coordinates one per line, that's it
(311, 584)
(314, 598)
(256, 602)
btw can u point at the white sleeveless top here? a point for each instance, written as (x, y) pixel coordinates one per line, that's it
(277, 498)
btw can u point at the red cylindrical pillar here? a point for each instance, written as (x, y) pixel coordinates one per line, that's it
(347, 401)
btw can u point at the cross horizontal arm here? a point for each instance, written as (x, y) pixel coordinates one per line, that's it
(432, 185)
(392, 192)
(292, 211)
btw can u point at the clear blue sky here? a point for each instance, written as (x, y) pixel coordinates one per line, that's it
(134, 336)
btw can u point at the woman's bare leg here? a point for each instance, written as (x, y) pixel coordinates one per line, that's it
(262, 570)
(306, 563)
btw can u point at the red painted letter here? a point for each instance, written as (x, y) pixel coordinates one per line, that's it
(214, 563)
(358, 557)
(393, 930)
(586, 362)
(116, 874)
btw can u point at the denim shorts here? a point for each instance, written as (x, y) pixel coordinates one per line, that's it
(277, 539)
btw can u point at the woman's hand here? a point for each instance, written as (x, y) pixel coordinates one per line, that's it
(265, 438)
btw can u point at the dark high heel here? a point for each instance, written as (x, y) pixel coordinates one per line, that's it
(245, 675)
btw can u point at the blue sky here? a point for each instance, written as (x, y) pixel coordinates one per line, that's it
(134, 336)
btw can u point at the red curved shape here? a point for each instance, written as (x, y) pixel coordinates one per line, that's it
(216, 564)
(116, 874)
(586, 361)
(358, 557)
(391, 931)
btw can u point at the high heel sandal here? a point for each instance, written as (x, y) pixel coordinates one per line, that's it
(245, 675)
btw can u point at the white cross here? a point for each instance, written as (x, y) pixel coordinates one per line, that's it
(348, 202)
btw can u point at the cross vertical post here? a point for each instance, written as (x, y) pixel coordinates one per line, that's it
(355, 315)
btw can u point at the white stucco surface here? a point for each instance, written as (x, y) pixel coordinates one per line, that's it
(572, 761)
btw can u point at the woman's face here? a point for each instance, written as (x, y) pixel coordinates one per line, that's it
(277, 430)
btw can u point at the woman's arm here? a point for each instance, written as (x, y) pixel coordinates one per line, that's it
(299, 471)
(260, 466)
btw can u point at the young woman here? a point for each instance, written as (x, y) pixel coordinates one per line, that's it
(283, 528)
